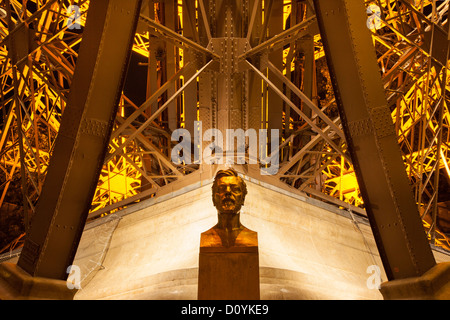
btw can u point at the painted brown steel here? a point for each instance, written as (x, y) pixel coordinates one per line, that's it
(371, 138)
(82, 140)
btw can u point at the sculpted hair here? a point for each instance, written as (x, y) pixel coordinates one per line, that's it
(229, 173)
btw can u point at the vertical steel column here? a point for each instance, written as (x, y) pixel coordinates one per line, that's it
(275, 103)
(190, 94)
(253, 81)
(171, 14)
(371, 138)
(82, 140)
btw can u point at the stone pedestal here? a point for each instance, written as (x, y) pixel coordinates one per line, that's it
(432, 285)
(228, 273)
(16, 284)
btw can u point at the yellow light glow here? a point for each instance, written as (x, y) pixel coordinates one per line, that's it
(444, 160)
(286, 12)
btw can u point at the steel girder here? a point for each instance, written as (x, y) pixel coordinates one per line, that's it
(82, 141)
(372, 141)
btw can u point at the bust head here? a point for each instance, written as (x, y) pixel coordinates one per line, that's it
(228, 192)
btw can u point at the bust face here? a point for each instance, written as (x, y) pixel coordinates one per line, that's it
(228, 196)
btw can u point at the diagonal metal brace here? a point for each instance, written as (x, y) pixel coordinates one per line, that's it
(372, 141)
(83, 139)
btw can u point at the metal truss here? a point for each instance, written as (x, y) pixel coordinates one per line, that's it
(38, 56)
(253, 64)
(411, 42)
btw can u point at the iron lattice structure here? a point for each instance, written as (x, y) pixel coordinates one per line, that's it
(258, 64)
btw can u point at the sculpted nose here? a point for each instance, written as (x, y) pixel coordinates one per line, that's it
(228, 192)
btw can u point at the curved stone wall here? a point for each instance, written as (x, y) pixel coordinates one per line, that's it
(307, 249)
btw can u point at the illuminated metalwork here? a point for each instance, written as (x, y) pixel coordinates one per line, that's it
(412, 48)
(194, 52)
(372, 141)
(38, 57)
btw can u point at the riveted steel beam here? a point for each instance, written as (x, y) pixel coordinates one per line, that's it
(371, 138)
(82, 140)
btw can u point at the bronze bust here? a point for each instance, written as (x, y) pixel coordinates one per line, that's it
(228, 195)
(228, 259)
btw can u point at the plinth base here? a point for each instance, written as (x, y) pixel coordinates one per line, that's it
(432, 285)
(16, 284)
(228, 273)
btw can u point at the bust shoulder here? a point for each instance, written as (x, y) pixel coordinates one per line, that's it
(214, 238)
(247, 238)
